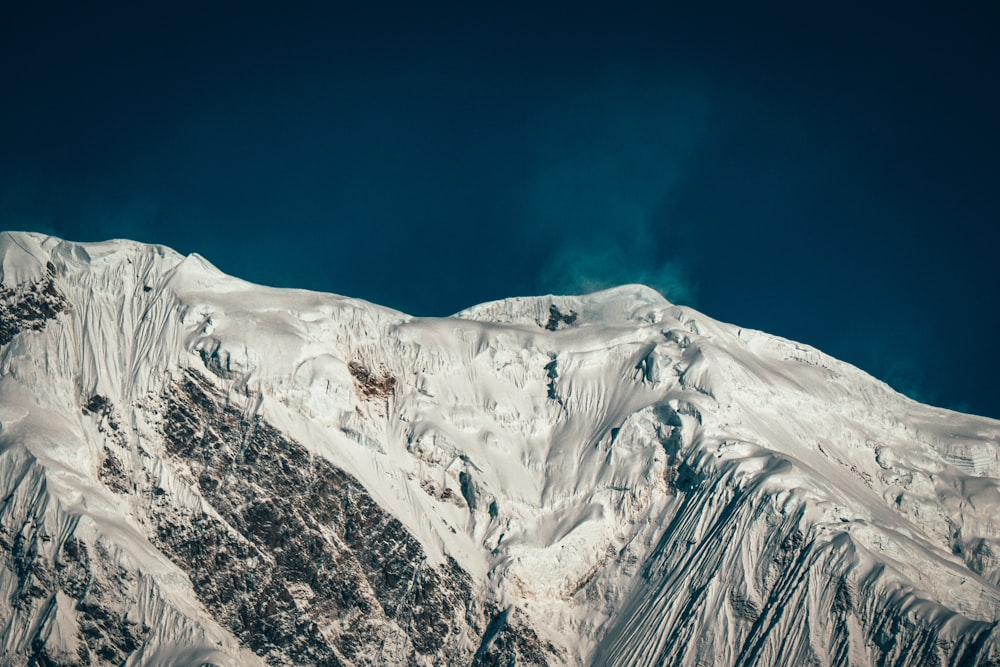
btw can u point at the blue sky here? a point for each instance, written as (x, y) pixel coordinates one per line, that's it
(826, 172)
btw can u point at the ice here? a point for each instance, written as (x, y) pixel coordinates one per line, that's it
(641, 483)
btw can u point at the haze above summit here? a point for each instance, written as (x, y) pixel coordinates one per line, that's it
(818, 174)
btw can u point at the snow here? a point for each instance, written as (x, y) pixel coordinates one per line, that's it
(23, 258)
(629, 473)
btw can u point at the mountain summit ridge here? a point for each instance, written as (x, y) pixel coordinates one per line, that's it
(199, 469)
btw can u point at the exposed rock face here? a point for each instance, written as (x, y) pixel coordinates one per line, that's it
(52, 578)
(297, 559)
(511, 641)
(27, 307)
(287, 551)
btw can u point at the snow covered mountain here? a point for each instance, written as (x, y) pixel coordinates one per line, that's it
(198, 470)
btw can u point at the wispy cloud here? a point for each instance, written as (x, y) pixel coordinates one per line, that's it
(587, 266)
(611, 163)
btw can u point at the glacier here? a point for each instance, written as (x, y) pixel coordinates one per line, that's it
(197, 470)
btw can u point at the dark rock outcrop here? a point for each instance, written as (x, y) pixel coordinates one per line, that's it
(29, 306)
(297, 559)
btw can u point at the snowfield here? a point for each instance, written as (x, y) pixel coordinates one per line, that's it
(195, 469)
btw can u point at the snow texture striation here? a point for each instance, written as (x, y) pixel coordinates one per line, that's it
(196, 470)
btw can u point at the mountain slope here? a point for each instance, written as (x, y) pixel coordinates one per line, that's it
(197, 469)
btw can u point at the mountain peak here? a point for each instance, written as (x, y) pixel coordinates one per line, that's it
(22, 257)
(616, 304)
(271, 476)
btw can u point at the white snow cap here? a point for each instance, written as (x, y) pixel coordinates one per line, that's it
(633, 480)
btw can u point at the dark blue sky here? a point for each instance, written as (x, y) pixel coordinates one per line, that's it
(827, 172)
